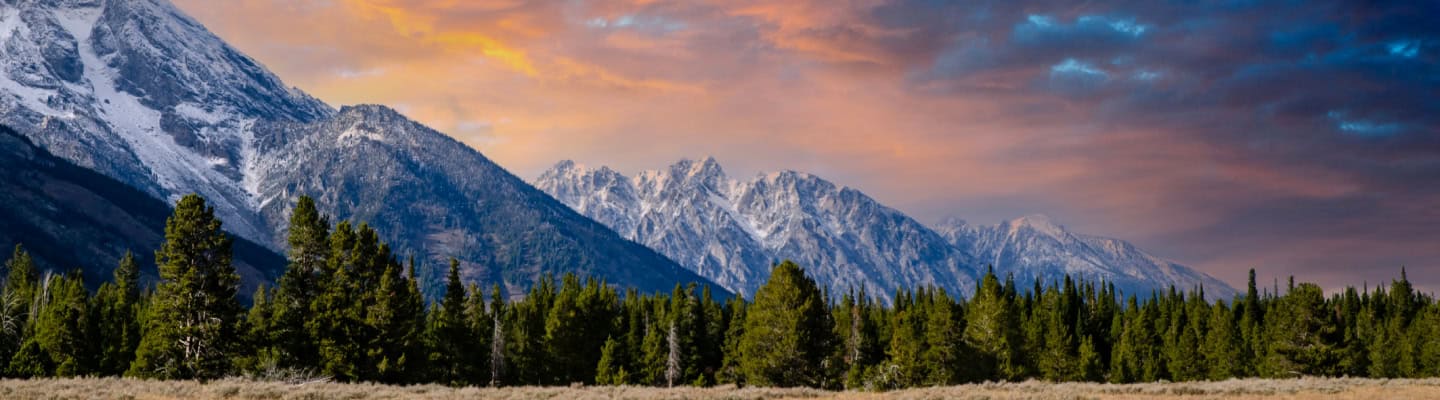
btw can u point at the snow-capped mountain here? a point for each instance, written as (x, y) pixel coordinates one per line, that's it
(140, 92)
(731, 231)
(1035, 247)
(442, 199)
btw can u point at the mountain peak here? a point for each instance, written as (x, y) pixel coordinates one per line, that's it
(1040, 223)
(370, 111)
(706, 172)
(567, 167)
(704, 166)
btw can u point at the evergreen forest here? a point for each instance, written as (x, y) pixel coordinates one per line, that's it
(349, 308)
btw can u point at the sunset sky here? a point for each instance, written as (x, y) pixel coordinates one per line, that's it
(1294, 137)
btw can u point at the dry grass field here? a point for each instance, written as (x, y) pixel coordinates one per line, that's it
(1308, 388)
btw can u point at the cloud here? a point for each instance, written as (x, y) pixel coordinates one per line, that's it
(1290, 137)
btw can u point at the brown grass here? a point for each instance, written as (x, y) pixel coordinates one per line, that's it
(1307, 388)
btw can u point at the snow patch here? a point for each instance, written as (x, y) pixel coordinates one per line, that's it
(9, 22)
(195, 113)
(176, 169)
(358, 133)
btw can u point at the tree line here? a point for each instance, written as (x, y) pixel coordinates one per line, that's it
(347, 308)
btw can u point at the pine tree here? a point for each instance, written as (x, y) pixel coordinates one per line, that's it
(1251, 330)
(60, 328)
(1297, 335)
(337, 312)
(944, 344)
(478, 333)
(789, 336)
(1180, 351)
(1058, 362)
(611, 368)
(449, 334)
(115, 318)
(1222, 344)
(570, 334)
(299, 287)
(730, 370)
(993, 330)
(195, 310)
(907, 341)
(260, 355)
(525, 353)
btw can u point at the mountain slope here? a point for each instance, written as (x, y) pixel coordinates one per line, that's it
(140, 92)
(71, 217)
(731, 231)
(1034, 247)
(440, 198)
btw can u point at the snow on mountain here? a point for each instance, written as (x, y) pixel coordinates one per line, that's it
(1035, 247)
(140, 92)
(439, 198)
(731, 231)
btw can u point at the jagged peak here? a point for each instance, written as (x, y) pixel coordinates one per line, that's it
(567, 166)
(701, 166)
(1038, 222)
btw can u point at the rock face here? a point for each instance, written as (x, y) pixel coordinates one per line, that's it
(70, 217)
(1034, 247)
(730, 231)
(140, 92)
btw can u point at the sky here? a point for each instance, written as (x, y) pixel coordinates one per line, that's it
(1297, 138)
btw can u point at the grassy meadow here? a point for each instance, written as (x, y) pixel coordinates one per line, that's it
(1306, 388)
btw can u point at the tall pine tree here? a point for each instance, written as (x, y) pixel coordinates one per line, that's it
(789, 339)
(192, 325)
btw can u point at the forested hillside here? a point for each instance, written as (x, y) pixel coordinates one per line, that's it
(348, 308)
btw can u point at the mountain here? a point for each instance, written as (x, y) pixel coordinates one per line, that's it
(68, 216)
(1035, 247)
(731, 231)
(140, 92)
(442, 199)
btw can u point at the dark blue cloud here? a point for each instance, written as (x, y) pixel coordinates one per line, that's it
(1334, 93)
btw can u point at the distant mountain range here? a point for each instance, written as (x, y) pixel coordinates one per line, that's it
(140, 92)
(1035, 247)
(731, 230)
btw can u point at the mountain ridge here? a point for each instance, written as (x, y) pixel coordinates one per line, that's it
(756, 221)
(731, 230)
